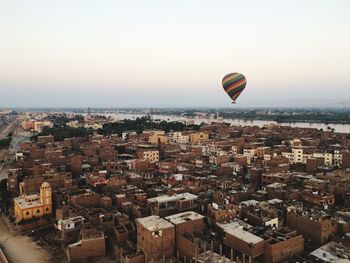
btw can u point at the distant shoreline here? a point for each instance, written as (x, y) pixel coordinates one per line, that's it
(273, 114)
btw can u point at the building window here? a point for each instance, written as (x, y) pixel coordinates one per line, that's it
(37, 211)
(46, 209)
(27, 213)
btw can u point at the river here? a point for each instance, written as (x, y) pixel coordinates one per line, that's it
(342, 128)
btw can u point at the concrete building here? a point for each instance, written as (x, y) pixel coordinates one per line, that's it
(158, 137)
(332, 252)
(181, 138)
(337, 158)
(198, 137)
(151, 155)
(37, 126)
(328, 158)
(165, 205)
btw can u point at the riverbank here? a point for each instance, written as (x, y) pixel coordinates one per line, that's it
(341, 128)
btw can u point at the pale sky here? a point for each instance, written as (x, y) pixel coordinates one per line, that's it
(173, 53)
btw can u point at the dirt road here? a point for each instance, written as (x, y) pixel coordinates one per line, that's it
(21, 249)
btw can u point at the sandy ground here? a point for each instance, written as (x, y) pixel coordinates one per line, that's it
(19, 248)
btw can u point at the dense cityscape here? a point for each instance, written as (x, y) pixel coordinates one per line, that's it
(188, 131)
(89, 187)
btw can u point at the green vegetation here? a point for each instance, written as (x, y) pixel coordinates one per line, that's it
(271, 141)
(141, 124)
(5, 196)
(61, 133)
(315, 115)
(5, 143)
(62, 120)
(290, 115)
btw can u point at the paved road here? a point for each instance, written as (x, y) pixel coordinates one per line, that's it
(17, 140)
(21, 249)
(18, 137)
(10, 128)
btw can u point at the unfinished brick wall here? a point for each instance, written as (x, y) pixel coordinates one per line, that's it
(316, 231)
(88, 248)
(275, 253)
(155, 246)
(252, 250)
(185, 247)
(190, 227)
(86, 200)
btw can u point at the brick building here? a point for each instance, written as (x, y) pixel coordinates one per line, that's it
(91, 244)
(315, 227)
(155, 237)
(238, 238)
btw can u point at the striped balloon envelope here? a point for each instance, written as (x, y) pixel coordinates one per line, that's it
(234, 84)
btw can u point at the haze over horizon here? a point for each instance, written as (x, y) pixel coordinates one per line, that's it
(159, 54)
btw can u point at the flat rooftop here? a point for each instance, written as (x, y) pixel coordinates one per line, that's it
(183, 217)
(24, 204)
(88, 234)
(170, 198)
(72, 220)
(212, 257)
(274, 201)
(251, 202)
(333, 252)
(282, 175)
(236, 229)
(154, 222)
(276, 185)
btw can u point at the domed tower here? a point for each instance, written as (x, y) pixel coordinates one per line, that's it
(46, 197)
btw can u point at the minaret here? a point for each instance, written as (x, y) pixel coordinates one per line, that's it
(45, 197)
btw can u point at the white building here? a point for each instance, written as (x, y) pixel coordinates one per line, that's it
(181, 138)
(328, 158)
(297, 156)
(337, 158)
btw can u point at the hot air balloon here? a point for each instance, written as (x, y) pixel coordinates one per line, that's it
(234, 84)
